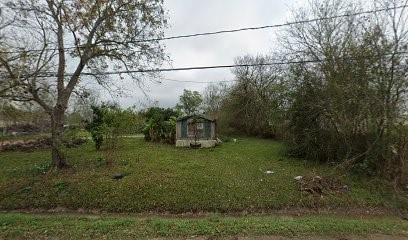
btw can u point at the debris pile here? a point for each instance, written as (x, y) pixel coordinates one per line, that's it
(35, 144)
(317, 185)
(27, 145)
(118, 176)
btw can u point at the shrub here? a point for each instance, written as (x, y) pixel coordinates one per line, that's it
(110, 122)
(160, 125)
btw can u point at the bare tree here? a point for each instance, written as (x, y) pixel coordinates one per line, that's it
(213, 97)
(53, 41)
(347, 105)
(255, 99)
(5, 21)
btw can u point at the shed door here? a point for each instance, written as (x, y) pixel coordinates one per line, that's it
(184, 129)
(207, 130)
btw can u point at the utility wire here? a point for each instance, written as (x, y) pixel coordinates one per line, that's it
(54, 74)
(229, 31)
(190, 81)
(157, 70)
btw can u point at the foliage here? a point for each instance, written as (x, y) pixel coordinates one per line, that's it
(254, 104)
(109, 122)
(214, 96)
(80, 111)
(343, 103)
(348, 107)
(71, 133)
(190, 102)
(160, 124)
(96, 127)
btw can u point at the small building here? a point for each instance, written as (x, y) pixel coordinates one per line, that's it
(195, 130)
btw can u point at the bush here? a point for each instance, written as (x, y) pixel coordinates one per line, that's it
(109, 122)
(160, 125)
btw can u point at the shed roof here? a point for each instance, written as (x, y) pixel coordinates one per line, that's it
(194, 115)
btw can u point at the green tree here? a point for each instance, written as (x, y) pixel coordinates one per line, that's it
(190, 102)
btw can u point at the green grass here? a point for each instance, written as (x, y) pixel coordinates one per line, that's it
(162, 178)
(23, 226)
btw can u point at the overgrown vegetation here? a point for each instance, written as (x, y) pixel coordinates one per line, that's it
(109, 125)
(109, 122)
(349, 108)
(344, 100)
(254, 104)
(160, 124)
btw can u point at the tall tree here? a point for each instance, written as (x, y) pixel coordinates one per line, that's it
(190, 102)
(69, 37)
(214, 95)
(255, 100)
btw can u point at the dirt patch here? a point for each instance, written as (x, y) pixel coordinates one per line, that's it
(289, 212)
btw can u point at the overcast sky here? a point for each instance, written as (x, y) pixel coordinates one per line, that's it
(194, 16)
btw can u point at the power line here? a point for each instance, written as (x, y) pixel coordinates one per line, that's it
(190, 81)
(54, 74)
(229, 31)
(157, 70)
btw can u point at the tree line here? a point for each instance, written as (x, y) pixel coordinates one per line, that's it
(343, 102)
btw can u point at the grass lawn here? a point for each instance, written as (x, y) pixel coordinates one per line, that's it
(23, 226)
(162, 178)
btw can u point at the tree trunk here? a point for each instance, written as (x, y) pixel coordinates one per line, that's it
(57, 131)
